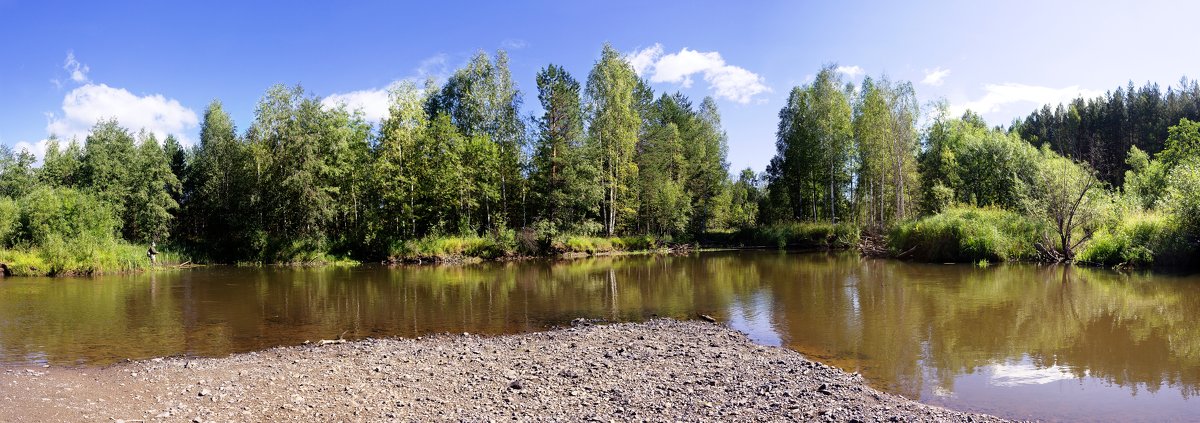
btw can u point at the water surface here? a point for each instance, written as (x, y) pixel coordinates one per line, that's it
(1019, 341)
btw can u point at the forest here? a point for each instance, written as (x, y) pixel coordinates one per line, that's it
(607, 164)
(1111, 181)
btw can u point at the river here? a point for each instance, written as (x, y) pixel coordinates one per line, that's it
(1018, 341)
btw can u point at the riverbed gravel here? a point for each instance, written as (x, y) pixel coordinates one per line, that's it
(661, 370)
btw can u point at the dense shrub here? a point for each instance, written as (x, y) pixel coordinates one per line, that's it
(797, 235)
(966, 235)
(47, 212)
(1137, 241)
(10, 215)
(448, 248)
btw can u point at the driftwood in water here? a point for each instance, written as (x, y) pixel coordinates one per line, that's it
(707, 318)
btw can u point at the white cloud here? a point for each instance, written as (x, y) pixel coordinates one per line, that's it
(642, 60)
(935, 77)
(85, 105)
(373, 103)
(998, 95)
(851, 71)
(678, 67)
(726, 81)
(77, 70)
(38, 148)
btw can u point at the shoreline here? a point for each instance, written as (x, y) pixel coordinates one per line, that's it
(660, 369)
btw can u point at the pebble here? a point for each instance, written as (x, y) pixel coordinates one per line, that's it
(590, 372)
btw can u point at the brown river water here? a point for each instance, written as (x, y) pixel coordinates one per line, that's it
(1018, 341)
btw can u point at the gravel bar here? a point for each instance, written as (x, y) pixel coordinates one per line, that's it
(661, 370)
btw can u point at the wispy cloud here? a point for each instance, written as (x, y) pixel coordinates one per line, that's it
(513, 44)
(935, 77)
(851, 71)
(997, 96)
(435, 67)
(726, 81)
(76, 71)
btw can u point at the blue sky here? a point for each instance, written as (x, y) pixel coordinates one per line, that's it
(158, 64)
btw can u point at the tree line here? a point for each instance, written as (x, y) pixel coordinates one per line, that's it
(1112, 180)
(1100, 131)
(606, 156)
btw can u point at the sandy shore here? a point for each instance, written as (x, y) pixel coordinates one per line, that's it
(658, 370)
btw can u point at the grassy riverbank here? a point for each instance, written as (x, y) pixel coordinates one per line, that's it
(972, 235)
(81, 257)
(966, 235)
(513, 245)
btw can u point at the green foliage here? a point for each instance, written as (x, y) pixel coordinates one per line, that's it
(797, 235)
(745, 196)
(562, 183)
(106, 169)
(17, 175)
(80, 256)
(967, 235)
(1101, 130)
(1182, 200)
(481, 100)
(1137, 241)
(62, 167)
(10, 220)
(613, 126)
(151, 205)
(446, 249)
(886, 142)
(1071, 200)
(806, 235)
(812, 166)
(63, 213)
(600, 245)
(613, 167)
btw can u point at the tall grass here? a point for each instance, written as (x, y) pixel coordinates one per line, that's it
(506, 244)
(448, 249)
(1140, 240)
(966, 235)
(800, 235)
(597, 245)
(81, 257)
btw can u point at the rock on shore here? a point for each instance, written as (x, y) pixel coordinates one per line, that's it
(657, 370)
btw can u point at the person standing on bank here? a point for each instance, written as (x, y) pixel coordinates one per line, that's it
(152, 253)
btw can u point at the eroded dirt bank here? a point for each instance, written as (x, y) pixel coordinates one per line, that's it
(658, 370)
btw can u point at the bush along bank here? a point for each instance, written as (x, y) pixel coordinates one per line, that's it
(82, 257)
(793, 235)
(66, 232)
(967, 235)
(509, 245)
